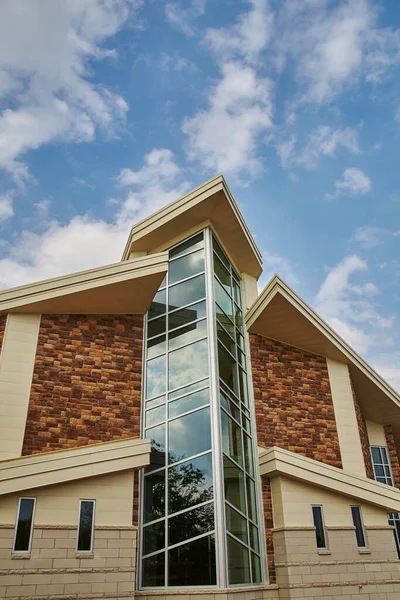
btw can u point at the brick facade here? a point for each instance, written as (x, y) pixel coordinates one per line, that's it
(3, 319)
(269, 525)
(293, 401)
(362, 428)
(86, 383)
(393, 454)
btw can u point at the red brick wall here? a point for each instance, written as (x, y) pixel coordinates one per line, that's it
(293, 401)
(86, 383)
(269, 524)
(3, 319)
(393, 454)
(362, 428)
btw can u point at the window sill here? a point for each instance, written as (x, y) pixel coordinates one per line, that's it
(84, 555)
(324, 551)
(364, 551)
(20, 556)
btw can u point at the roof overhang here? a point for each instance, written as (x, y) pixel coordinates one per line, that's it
(212, 202)
(51, 468)
(276, 461)
(121, 288)
(280, 314)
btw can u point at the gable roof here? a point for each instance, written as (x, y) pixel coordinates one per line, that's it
(121, 288)
(279, 313)
(209, 204)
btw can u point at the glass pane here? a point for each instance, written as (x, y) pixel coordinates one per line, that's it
(190, 483)
(384, 456)
(188, 364)
(193, 563)
(357, 522)
(225, 338)
(154, 496)
(255, 568)
(158, 305)
(230, 406)
(188, 389)
(156, 327)
(236, 524)
(190, 524)
(254, 542)
(237, 294)
(376, 455)
(238, 319)
(238, 562)
(251, 500)
(241, 358)
(85, 526)
(319, 526)
(187, 292)
(234, 485)
(227, 369)
(231, 438)
(223, 274)
(240, 341)
(248, 454)
(225, 321)
(379, 471)
(157, 456)
(223, 299)
(246, 423)
(189, 435)
(155, 377)
(184, 267)
(155, 402)
(153, 574)
(243, 387)
(186, 315)
(193, 243)
(22, 538)
(187, 403)
(220, 253)
(185, 335)
(156, 346)
(156, 415)
(153, 537)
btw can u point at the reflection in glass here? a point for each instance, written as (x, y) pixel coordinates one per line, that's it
(156, 415)
(153, 574)
(187, 334)
(194, 243)
(186, 315)
(188, 389)
(188, 364)
(234, 485)
(153, 537)
(156, 327)
(190, 483)
(154, 496)
(193, 563)
(157, 456)
(230, 406)
(254, 543)
(155, 377)
(184, 267)
(251, 499)
(248, 454)
(237, 294)
(158, 306)
(238, 562)
(190, 524)
(189, 435)
(155, 402)
(223, 300)
(255, 568)
(220, 253)
(227, 369)
(187, 403)
(225, 321)
(243, 387)
(231, 438)
(225, 338)
(187, 292)
(236, 524)
(156, 346)
(222, 274)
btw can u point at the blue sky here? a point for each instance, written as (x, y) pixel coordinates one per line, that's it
(110, 109)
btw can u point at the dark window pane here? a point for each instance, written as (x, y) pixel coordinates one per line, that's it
(157, 456)
(190, 483)
(187, 292)
(376, 455)
(384, 456)
(231, 438)
(194, 243)
(155, 377)
(156, 415)
(357, 522)
(255, 568)
(185, 335)
(237, 294)
(153, 574)
(379, 471)
(254, 541)
(381, 480)
(241, 358)
(156, 327)
(246, 423)
(227, 369)
(188, 364)
(193, 563)
(189, 435)
(185, 391)
(24, 525)
(85, 527)
(248, 454)
(243, 387)
(239, 319)
(154, 496)
(238, 562)
(223, 274)
(156, 346)
(230, 406)
(220, 253)
(319, 526)
(187, 403)
(234, 485)
(226, 338)
(186, 315)
(224, 301)
(153, 537)
(225, 321)
(190, 524)
(251, 499)
(236, 524)
(184, 267)
(158, 306)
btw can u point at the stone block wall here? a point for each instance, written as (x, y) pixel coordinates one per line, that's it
(393, 454)
(3, 319)
(293, 401)
(269, 525)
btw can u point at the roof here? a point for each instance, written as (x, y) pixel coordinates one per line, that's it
(121, 288)
(209, 204)
(279, 313)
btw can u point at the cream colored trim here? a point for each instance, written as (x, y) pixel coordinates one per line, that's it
(376, 434)
(51, 468)
(276, 461)
(346, 419)
(126, 288)
(16, 369)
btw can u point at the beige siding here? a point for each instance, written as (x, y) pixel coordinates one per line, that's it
(16, 369)
(376, 434)
(345, 415)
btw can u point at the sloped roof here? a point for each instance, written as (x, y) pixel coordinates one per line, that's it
(279, 313)
(121, 288)
(209, 204)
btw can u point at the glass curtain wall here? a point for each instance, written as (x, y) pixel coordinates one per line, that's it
(190, 340)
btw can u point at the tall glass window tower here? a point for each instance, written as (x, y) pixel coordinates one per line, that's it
(200, 496)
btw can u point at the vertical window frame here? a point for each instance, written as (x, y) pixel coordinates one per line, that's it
(14, 551)
(382, 463)
(92, 529)
(364, 534)
(325, 537)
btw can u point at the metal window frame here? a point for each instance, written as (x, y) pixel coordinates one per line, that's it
(92, 528)
(358, 507)
(323, 526)
(17, 523)
(382, 464)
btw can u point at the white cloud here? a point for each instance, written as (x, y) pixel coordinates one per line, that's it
(6, 207)
(183, 15)
(355, 182)
(369, 237)
(45, 49)
(276, 264)
(388, 366)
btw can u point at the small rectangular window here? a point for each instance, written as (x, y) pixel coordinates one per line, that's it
(319, 527)
(381, 464)
(24, 526)
(358, 524)
(85, 526)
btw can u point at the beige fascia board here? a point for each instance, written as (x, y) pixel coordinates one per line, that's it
(278, 286)
(51, 468)
(183, 204)
(25, 298)
(276, 461)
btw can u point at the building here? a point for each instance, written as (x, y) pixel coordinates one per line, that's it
(167, 431)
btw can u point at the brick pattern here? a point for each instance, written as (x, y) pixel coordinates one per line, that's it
(293, 401)
(362, 428)
(86, 383)
(393, 454)
(3, 319)
(269, 524)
